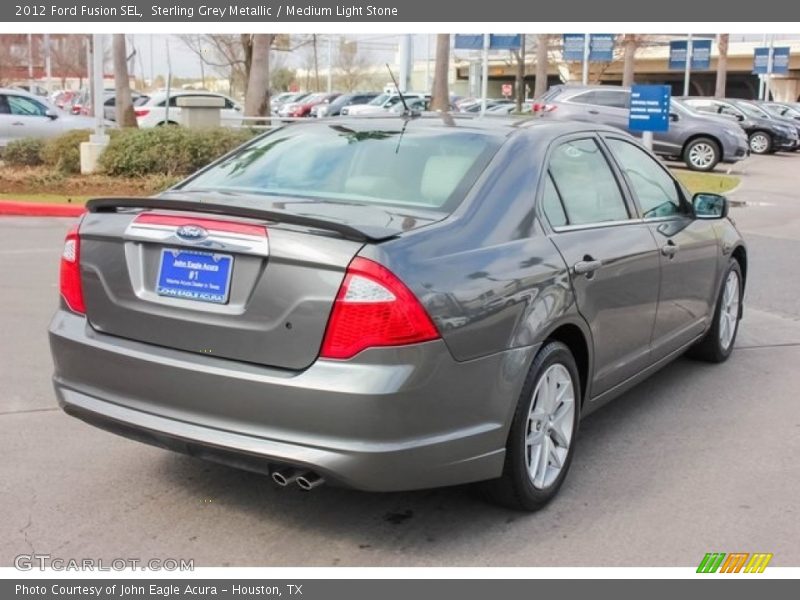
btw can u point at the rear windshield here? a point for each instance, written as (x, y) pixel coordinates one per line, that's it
(424, 168)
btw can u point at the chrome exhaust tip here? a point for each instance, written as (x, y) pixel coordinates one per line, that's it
(284, 477)
(308, 481)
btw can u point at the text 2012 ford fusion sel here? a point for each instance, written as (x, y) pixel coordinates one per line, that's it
(394, 303)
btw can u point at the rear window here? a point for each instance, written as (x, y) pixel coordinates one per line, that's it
(415, 168)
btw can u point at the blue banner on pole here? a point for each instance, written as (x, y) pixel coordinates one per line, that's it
(780, 60)
(601, 47)
(649, 110)
(468, 42)
(573, 46)
(505, 42)
(701, 55)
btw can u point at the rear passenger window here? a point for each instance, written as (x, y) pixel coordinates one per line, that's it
(585, 184)
(551, 204)
(656, 191)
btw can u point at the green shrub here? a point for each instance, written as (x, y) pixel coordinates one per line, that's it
(63, 153)
(167, 150)
(26, 152)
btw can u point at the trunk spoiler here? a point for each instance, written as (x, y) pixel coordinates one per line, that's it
(350, 232)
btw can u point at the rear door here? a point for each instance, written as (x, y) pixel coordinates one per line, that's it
(26, 118)
(611, 255)
(688, 248)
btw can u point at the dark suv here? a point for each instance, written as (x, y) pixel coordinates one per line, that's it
(701, 141)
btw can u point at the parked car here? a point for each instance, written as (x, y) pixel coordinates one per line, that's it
(380, 103)
(475, 106)
(110, 103)
(394, 303)
(302, 108)
(277, 103)
(153, 111)
(765, 134)
(334, 109)
(700, 141)
(24, 115)
(783, 110)
(506, 109)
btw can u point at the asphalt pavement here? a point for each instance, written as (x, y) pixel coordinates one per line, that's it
(699, 458)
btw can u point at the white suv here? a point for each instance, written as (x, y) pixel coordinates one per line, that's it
(152, 110)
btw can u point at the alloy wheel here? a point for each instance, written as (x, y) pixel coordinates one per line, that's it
(702, 155)
(729, 311)
(549, 426)
(759, 143)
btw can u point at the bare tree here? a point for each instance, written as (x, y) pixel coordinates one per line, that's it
(440, 98)
(256, 100)
(722, 64)
(630, 43)
(122, 84)
(351, 65)
(68, 57)
(540, 86)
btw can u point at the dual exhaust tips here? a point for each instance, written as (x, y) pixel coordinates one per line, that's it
(306, 480)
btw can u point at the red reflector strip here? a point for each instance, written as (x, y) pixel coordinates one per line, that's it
(209, 224)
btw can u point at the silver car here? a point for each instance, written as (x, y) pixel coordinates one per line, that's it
(701, 141)
(394, 303)
(23, 115)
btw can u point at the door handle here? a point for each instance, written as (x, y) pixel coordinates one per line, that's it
(586, 267)
(670, 249)
(18, 124)
(594, 112)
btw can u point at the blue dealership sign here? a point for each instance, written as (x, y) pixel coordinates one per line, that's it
(701, 54)
(505, 42)
(469, 42)
(601, 47)
(649, 109)
(573, 46)
(780, 60)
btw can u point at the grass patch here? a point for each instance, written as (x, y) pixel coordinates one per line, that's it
(706, 182)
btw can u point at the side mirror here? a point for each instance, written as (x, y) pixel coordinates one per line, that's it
(674, 116)
(709, 206)
(51, 114)
(740, 117)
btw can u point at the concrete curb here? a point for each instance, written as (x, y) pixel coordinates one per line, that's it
(39, 209)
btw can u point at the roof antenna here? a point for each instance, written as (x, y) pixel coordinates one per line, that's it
(406, 110)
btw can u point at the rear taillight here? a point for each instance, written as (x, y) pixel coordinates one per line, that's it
(141, 112)
(70, 280)
(374, 308)
(540, 107)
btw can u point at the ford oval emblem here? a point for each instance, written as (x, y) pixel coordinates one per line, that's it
(192, 233)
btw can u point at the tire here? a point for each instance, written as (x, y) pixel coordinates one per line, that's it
(760, 142)
(701, 154)
(717, 345)
(516, 489)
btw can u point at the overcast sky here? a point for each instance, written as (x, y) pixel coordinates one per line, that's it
(380, 49)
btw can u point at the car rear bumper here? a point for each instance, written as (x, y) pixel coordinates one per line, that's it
(390, 419)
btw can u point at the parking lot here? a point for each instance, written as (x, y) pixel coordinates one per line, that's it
(699, 458)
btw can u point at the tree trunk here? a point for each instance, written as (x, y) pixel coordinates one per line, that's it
(122, 87)
(722, 65)
(256, 101)
(521, 73)
(541, 65)
(440, 99)
(630, 44)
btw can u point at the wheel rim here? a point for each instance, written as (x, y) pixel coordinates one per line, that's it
(759, 143)
(702, 155)
(729, 313)
(548, 432)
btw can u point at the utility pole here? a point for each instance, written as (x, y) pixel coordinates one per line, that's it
(687, 74)
(485, 73)
(316, 63)
(586, 51)
(521, 73)
(330, 64)
(30, 62)
(405, 62)
(48, 72)
(770, 64)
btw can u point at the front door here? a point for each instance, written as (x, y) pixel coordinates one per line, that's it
(688, 249)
